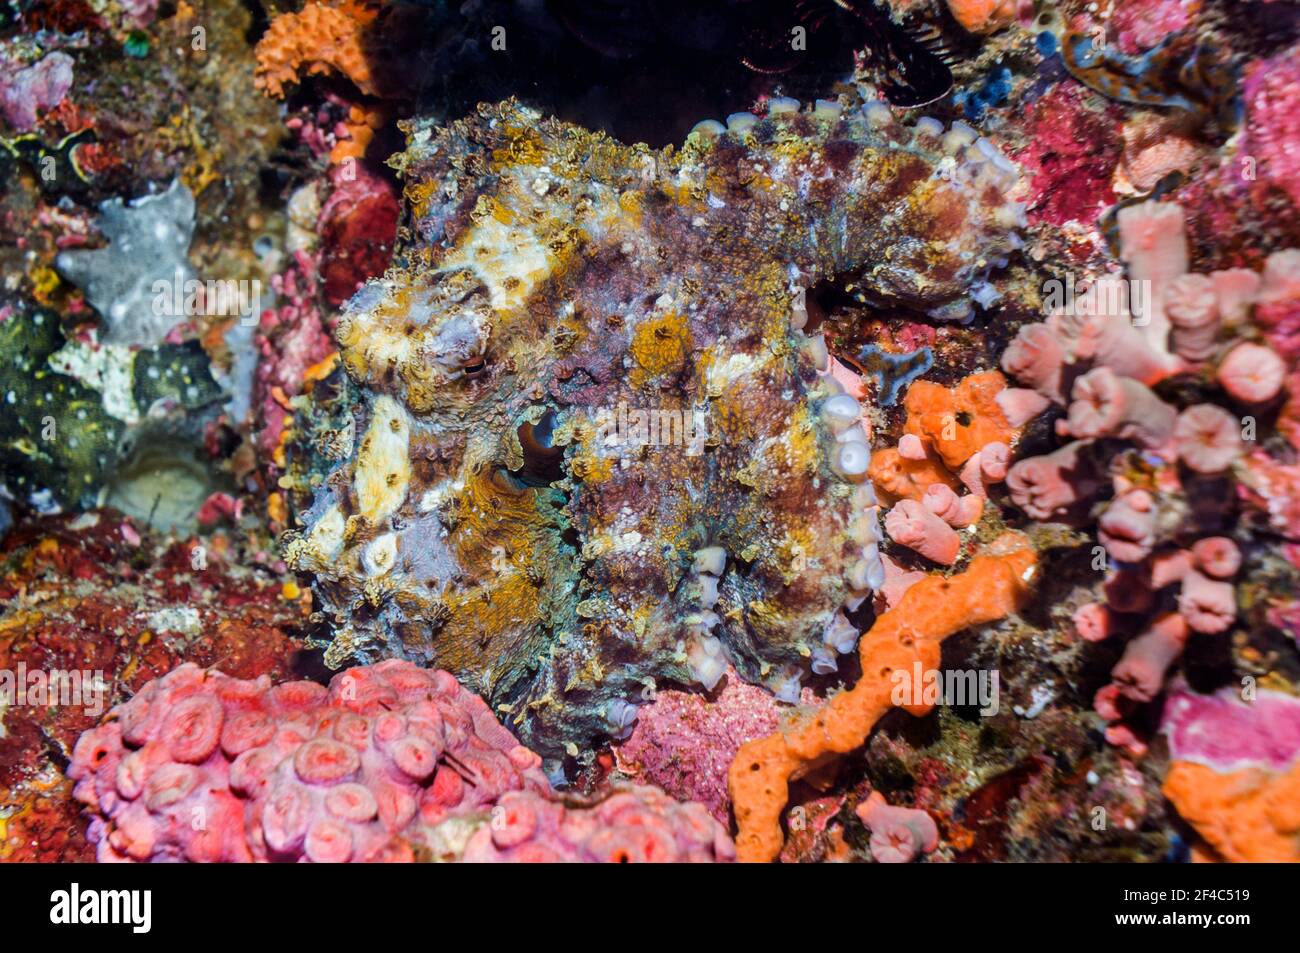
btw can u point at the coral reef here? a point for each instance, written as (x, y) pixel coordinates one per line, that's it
(953, 372)
(91, 594)
(87, 420)
(1115, 345)
(35, 88)
(317, 39)
(1233, 773)
(684, 742)
(953, 439)
(898, 834)
(1272, 92)
(982, 16)
(635, 825)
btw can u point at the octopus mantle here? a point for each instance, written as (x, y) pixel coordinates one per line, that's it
(594, 449)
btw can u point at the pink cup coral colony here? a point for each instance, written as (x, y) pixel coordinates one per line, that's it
(591, 466)
(391, 762)
(1155, 537)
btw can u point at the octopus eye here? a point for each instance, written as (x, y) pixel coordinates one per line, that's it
(476, 367)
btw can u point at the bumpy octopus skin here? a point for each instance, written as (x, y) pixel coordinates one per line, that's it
(504, 509)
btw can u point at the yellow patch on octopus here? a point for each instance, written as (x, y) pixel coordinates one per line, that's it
(525, 147)
(325, 543)
(383, 470)
(659, 345)
(726, 373)
(800, 439)
(592, 469)
(494, 524)
(421, 196)
(684, 192)
(631, 204)
(479, 617)
(509, 261)
(792, 553)
(373, 341)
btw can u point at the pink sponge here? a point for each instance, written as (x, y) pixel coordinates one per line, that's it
(1208, 605)
(1217, 556)
(1093, 622)
(1277, 306)
(987, 466)
(1140, 673)
(1113, 341)
(957, 511)
(1252, 373)
(1021, 405)
(1208, 438)
(203, 767)
(1193, 306)
(1235, 289)
(1229, 734)
(1153, 242)
(1271, 95)
(1037, 356)
(1128, 526)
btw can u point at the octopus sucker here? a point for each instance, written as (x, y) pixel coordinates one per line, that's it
(597, 448)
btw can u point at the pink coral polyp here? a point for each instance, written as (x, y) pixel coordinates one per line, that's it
(1252, 373)
(1208, 438)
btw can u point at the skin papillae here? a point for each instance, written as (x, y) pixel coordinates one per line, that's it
(493, 517)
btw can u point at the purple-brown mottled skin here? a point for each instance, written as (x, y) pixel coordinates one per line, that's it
(551, 273)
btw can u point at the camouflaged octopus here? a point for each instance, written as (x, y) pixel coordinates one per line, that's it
(594, 450)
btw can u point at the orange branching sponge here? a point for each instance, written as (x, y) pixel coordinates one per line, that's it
(995, 584)
(958, 422)
(945, 428)
(1247, 816)
(983, 16)
(323, 38)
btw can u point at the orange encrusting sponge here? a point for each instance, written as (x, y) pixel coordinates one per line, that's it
(958, 421)
(995, 584)
(1247, 816)
(983, 16)
(323, 38)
